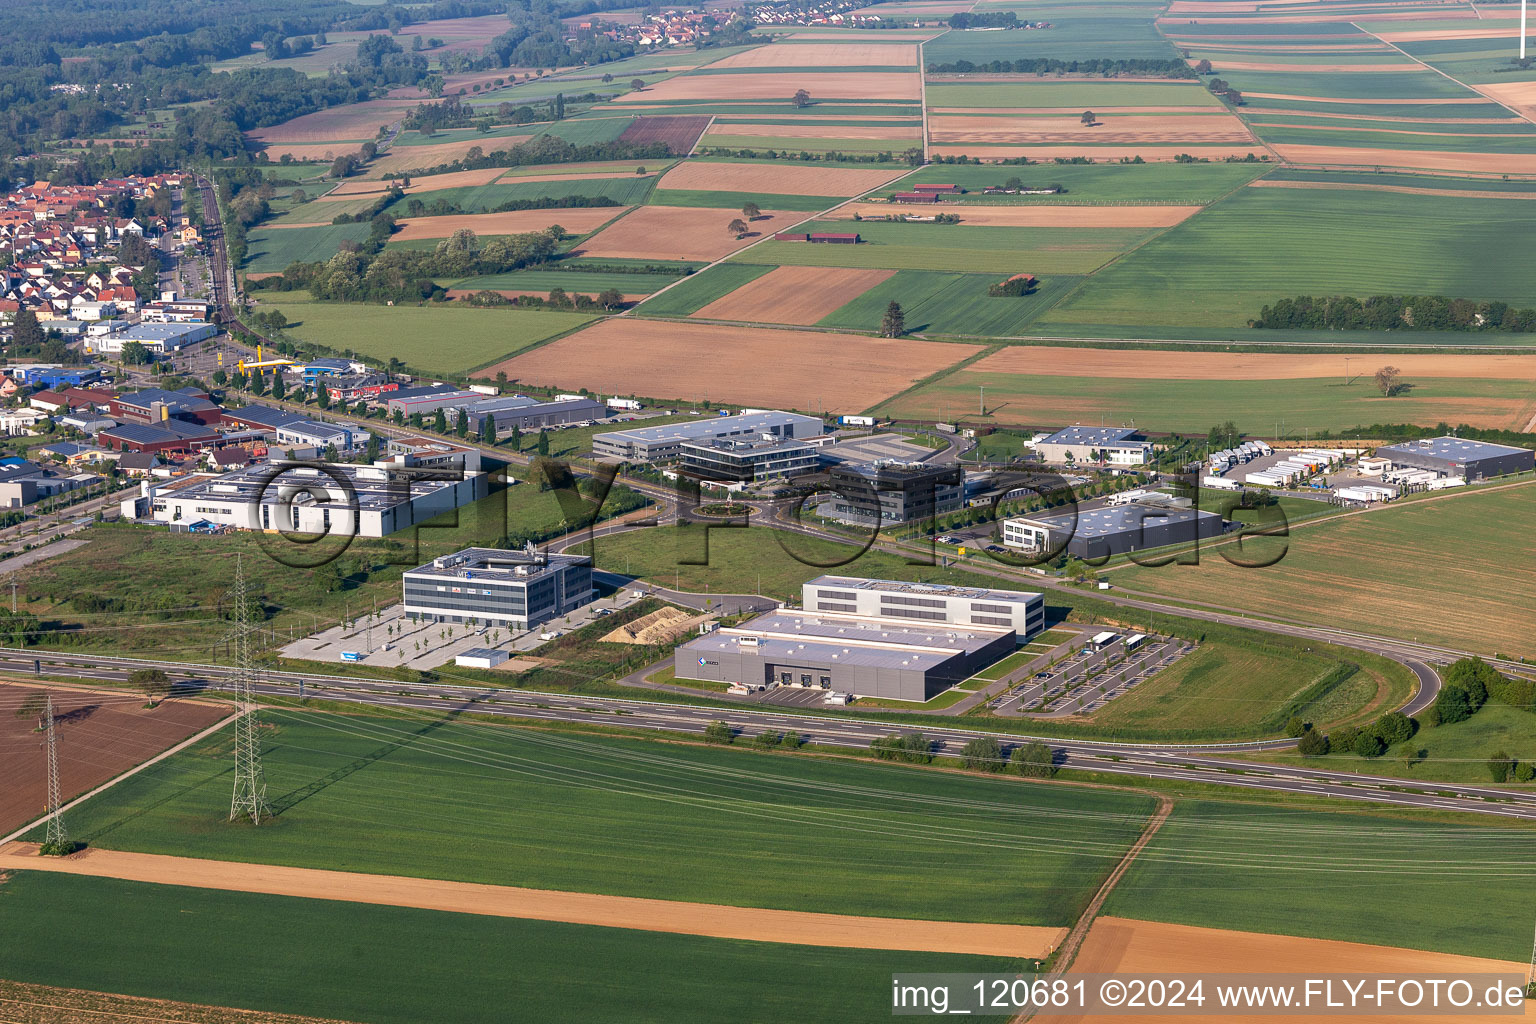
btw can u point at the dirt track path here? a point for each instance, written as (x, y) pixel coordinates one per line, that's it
(713, 920)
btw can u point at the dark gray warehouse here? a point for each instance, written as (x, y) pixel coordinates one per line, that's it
(1458, 457)
(1115, 530)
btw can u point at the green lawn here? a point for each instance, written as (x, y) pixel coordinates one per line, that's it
(1455, 571)
(437, 338)
(694, 293)
(940, 303)
(1333, 875)
(433, 797)
(1220, 267)
(1091, 184)
(1088, 33)
(270, 250)
(395, 965)
(735, 200)
(1085, 93)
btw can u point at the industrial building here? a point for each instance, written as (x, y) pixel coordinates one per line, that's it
(885, 493)
(1115, 446)
(433, 453)
(884, 447)
(890, 600)
(527, 414)
(157, 338)
(366, 501)
(664, 443)
(164, 436)
(1458, 457)
(427, 399)
(23, 482)
(1112, 530)
(746, 460)
(302, 433)
(514, 589)
(154, 405)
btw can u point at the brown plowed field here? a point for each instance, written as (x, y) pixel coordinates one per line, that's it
(868, 85)
(1245, 65)
(1485, 163)
(317, 153)
(748, 923)
(1045, 154)
(1172, 365)
(43, 1004)
(1124, 947)
(1426, 34)
(1396, 117)
(680, 133)
(1223, 45)
(1074, 111)
(101, 734)
(353, 187)
(578, 221)
(844, 373)
(1408, 189)
(777, 179)
(679, 233)
(793, 295)
(1035, 216)
(1434, 101)
(359, 121)
(1385, 131)
(410, 158)
(819, 131)
(1521, 95)
(822, 55)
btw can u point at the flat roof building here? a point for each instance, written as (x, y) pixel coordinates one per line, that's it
(886, 493)
(1116, 446)
(429, 399)
(514, 589)
(345, 500)
(1113, 530)
(1459, 457)
(158, 338)
(664, 442)
(744, 460)
(526, 413)
(433, 453)
(894, 600)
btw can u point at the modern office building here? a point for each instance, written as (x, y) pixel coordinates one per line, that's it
(745, 460)
(514, 589)
(887, 493)
(664, 443)
(1112, 530)
(433, 453)
(895, 600)
(1114, 446)
(1458, 457)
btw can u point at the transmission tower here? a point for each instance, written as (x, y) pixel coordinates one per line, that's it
(56, 837)
(250, 797)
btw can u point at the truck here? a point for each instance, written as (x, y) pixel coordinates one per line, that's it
(624, 403)
(352, 655)
(856, 421)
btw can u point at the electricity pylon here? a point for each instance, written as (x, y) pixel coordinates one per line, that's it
(250, 796)
(56, 837)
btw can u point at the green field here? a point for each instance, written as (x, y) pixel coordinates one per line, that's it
(1193, 405)
(1404, 86)
(995, 250)
(1274, 243)
(1474, 61)
(439, 338)
(939, 303)
(694, 293)
(734, 200)
(270, 250)
(1090, 184)
(395, 965)
(1088, 33)
(1086, 93)
(1333, 875)
(1471, 584)
(432, 797)
(1396, 135)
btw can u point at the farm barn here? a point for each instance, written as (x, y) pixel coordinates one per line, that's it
(915, 197)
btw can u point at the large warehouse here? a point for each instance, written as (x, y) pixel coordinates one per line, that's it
(664, 442)
(1458, 457)
(515, 589)
(870, 638)
(1114, 446)
(1115, 530)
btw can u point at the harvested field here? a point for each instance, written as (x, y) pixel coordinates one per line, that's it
(1123, 947)
(1441, 101)
(680, 133)
(1034, 216)
(1198, 128)
(354, 187)
(100, 735)
(1406, 189)
(316, 153)
(462, 35)
(1246, 65)
(1045, 154)
(749, 923)
(822, 55)
(1342, 156)
(1213, 366)
(871, 85)
(1074, 111)
(1520, 95)
(819, 131)
(45, 1004)
(779, 179)
(794, 295)
(778, 369)
(402, 159)
(1426, 34)
(578, 220)
(678, 233)
(359, 121)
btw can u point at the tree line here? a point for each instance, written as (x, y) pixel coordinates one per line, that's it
(546, 149)
(1394, 312)
(1105, 66)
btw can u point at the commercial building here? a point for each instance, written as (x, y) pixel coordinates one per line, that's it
(23, 482)
(895, 600)
(157, 338)
(873, 448)
(164, 436)
(261, 418)
(153, 405)
(885, 493)
(527, 414)
(302, 433)
(346, 500)
(432, 453)
(664, 443)
(428, 399)
(746, 461)
(1112, 530)
(328, 366)
(1115, 446)
(515, 589)
(1458, 457)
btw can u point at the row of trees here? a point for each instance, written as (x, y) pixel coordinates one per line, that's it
(1105, 66)
(1394, 312)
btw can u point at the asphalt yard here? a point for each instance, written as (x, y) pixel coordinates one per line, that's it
(1091, 677)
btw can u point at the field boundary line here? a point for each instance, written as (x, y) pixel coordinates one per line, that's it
(680, 917)
(934, 378)
(1446, 74)
(196, 737)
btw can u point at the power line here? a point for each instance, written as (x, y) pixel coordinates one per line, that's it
(250, 796)
(56, 837)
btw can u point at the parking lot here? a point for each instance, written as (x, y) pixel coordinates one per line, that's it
(1090, 677)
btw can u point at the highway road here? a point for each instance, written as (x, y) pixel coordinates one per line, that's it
(1211, 764)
